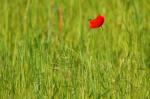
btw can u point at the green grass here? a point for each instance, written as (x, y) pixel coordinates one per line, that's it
(39, 61)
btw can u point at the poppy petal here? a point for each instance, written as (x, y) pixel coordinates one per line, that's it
(98, 22)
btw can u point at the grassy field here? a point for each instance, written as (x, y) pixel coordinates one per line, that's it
(47, 50)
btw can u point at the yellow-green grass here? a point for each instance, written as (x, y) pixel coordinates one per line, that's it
(40, 61)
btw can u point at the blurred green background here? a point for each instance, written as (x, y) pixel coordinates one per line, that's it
(47, 50)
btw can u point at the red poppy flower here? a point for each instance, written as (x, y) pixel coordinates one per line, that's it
(96, 23)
